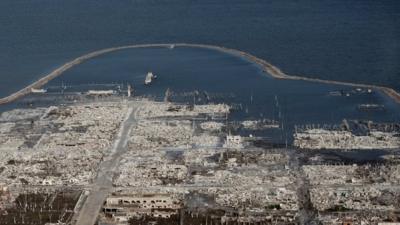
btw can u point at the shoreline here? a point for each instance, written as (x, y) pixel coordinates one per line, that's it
(274, 71)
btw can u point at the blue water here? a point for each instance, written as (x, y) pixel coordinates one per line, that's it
(238, 81)
(351, 40)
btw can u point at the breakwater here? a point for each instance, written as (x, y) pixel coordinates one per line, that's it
(267, 67)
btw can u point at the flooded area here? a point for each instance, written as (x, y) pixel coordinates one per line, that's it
(192, 135)
(199, 76)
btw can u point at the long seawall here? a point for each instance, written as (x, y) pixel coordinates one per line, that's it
(267, 67)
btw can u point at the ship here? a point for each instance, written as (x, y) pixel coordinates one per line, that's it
(101, 92)
(371, 107)
(34, 90)
(149, 78)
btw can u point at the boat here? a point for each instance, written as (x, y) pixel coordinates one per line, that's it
(149, 78)
(34, 90)
(371, 107)
(101, 92)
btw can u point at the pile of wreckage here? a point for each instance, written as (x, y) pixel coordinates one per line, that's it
(167, 152)
(315, 139)
(337, 190)
(58, 146)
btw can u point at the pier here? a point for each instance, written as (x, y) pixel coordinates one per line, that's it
(267, 67)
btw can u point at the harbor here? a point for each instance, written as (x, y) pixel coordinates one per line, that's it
(267, 67)
(125, 142)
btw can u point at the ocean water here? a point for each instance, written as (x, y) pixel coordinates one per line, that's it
(353, 40)
(228, 79)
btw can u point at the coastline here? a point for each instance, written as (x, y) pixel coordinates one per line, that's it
(274, 71)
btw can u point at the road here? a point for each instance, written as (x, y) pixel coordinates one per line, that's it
(102, 186)
(306, 213)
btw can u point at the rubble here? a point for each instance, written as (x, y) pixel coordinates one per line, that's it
(212, 126)
(64, 146)
(355, 198)
(233, 141)
(328, 139)
(168, 154)
(348, 192)
(352, 174)
(22, 114)
(154, 110)
(349, 135)
(41, 207)
(181, 164)
(260, 124)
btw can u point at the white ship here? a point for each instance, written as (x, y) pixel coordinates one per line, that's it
(100, 92)
(34, 90)
(149, 78)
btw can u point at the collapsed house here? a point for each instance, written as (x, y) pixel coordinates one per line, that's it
(172, 151)
(60, 146)
(349, 135)
(327, 139)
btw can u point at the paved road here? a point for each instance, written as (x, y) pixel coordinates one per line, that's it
(306, 213)
(102, 186)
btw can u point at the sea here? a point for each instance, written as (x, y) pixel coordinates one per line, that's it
(196, 75)
(346, 40)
